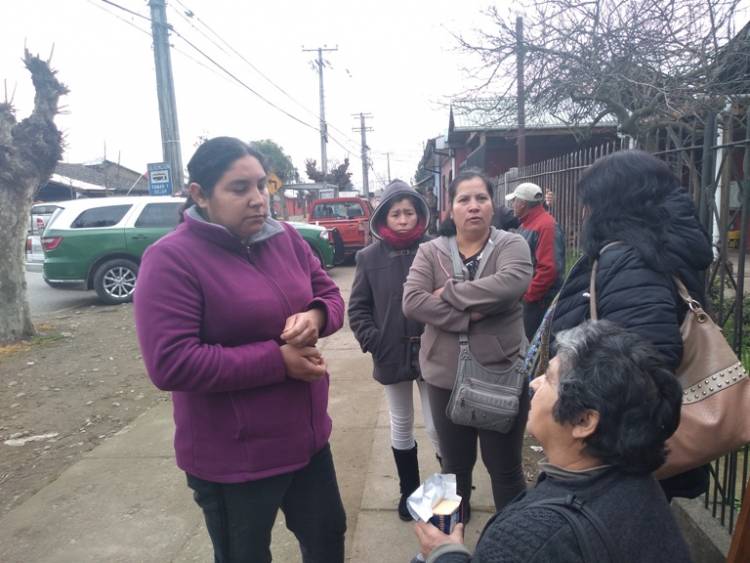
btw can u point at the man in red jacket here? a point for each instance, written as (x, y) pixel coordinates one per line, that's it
(545, 239)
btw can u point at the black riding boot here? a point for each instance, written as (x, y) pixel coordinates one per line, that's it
(408, 477)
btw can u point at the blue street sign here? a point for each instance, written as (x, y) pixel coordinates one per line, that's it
(159, 179)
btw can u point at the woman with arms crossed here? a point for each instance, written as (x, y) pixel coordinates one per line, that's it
(488, 308)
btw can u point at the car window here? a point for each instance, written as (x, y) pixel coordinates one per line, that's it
(159, 215)
(40, 217)
(338, 210)
(100, 217)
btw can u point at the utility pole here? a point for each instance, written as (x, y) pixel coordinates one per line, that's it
(520, 94)
(170, 132)
(365, 159)
(323, 127)
(388, 160)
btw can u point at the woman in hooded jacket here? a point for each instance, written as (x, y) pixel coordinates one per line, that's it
(642, 228)
(398, 225)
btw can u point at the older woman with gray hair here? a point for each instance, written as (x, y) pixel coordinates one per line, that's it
(602, 412)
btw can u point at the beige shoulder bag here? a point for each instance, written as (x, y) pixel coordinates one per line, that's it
(715, 391)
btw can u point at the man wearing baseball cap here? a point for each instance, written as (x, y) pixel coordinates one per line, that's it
(547, 245)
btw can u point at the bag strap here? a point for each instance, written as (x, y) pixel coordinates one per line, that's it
(458, 272)
(458, 265)
(458, 275)
(572, 509)
(593, 315)
(693, 304)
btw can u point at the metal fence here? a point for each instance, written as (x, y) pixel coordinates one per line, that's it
(713, 162)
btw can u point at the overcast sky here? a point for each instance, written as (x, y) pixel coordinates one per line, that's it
(396, 60)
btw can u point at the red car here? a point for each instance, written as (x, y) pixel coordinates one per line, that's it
(350, 216)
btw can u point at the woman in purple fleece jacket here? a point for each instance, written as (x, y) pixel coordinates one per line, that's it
(228, 310)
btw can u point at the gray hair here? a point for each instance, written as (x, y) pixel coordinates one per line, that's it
(612, 371)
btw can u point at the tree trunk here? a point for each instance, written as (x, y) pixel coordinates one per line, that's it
(15, 319)
(29, 151)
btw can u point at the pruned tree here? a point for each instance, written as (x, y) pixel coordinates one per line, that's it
(641, 63)
(339, 175)
(29, 151)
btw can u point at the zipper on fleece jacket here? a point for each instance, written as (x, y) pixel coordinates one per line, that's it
(288, 309)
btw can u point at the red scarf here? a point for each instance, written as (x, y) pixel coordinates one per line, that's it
(399, 241)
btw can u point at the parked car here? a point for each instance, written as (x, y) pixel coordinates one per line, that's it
(350, 216)
(98, 243)
(38, 219)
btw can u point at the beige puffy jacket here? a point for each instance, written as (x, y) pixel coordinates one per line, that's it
(498, 339)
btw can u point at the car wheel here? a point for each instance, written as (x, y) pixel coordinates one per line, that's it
(114, 281)
(319, 256)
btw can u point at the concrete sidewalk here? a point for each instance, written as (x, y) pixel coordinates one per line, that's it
(127, 501)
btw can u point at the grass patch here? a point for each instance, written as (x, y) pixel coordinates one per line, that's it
(46, 334)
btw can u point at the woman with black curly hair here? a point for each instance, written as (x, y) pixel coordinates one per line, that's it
(602, 411)
(642, 230)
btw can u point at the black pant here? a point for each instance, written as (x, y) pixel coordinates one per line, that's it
(533, 315)
(239, 516)
(501, 453)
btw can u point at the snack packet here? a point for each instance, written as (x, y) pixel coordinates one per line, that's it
(436, 502)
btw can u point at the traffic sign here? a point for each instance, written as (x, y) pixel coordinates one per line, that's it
(273, 184)
(159, 179)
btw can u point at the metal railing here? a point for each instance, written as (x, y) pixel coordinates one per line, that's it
(706, 159)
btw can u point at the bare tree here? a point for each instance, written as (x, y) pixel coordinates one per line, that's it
(29, 150)
(642, 63)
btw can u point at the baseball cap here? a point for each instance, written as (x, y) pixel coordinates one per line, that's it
(527, 192)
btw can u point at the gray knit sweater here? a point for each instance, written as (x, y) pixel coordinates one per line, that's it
(632, 508)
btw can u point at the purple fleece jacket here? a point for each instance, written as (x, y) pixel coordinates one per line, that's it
(209, 311)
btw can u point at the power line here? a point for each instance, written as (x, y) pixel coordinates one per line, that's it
(122, 19)
(240, 81)
(221, 67)
(128, 10)
(190, 14)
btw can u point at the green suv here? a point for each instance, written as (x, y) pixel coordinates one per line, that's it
(98, 243)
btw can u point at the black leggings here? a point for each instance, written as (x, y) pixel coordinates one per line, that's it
(501, 453)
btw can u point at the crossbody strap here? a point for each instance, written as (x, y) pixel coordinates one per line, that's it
(593, 315)
(459, 275)
(571, 509)
(693, 304)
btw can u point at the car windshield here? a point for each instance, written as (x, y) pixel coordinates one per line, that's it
(338, 210)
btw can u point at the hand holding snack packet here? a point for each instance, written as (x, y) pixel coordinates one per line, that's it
(436, 501)
(435, 506)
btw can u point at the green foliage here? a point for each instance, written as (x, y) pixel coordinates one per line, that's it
(338, 175)
(724, 311)
(277, 160)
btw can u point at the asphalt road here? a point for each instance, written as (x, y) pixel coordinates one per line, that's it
(44, 300)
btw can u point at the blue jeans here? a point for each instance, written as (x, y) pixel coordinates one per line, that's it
(239, 516)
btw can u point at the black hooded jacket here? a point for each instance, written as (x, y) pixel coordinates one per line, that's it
(635, 289)
(375, 314)
(634, 280)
